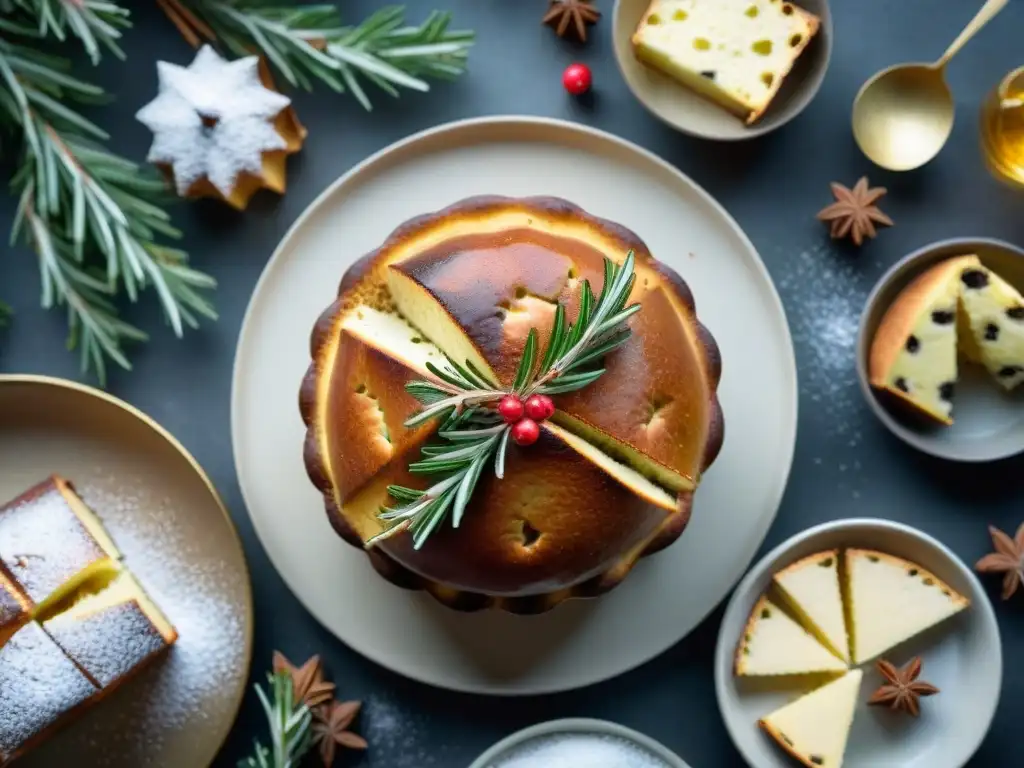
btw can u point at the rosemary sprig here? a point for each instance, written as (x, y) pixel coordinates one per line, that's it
(473, 433)
(290, 731)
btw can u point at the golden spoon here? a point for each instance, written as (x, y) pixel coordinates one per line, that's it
(903, 115)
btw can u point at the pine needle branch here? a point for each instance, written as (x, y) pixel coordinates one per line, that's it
(92, 217)
(290, 727)
(308, 43)
(96, 23)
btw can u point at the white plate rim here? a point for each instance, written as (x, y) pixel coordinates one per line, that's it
(725, 645)
(367, 166)
(579, 725)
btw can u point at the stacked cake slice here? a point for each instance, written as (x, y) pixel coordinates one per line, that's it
(74, 623)
(835, 608)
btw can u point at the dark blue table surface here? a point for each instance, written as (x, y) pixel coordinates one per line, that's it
(846, 463)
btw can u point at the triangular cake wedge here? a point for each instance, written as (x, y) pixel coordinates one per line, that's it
(480, 299)
(890, 600)
(913, 354)
(774, 644)
(811, 588)
(994, 320)
(815, 728)
(113, 633)
(516, 534)
(51, 542)
(41, 689)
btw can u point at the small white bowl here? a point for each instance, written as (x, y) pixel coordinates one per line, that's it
(660, 755)
(961, 656)
(684, 110)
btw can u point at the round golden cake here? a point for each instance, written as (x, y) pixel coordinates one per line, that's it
(611, 477)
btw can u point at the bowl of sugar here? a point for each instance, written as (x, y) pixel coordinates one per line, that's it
(578, 743)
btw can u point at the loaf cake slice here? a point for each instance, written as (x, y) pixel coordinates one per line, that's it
(41, 689)
(51, 543)
(815, 728)
(734, 52)
(994, 320)
(114, 633)
(774, 644)
(913, 354)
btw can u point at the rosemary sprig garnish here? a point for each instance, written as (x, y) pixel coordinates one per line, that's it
(473, 432)
(289, 722)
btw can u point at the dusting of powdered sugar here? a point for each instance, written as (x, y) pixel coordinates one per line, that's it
(579, 750)
(213, 120)
(395, 736)
(825, 292)
(184, 701)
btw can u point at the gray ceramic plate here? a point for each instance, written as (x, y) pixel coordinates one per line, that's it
(961, 656)
(685, 111)
(988, 422)
(167, 519)
(515, 749)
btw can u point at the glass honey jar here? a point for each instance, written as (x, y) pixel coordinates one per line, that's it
(1002, 129)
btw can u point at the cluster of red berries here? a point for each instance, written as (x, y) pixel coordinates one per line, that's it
(525, 417)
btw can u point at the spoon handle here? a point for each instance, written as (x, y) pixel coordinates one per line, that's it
(983, 17)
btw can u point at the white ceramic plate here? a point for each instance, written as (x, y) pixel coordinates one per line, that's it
(668, 594)
(962, 657)
(513, 751)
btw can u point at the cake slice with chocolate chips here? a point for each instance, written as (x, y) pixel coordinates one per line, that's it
(992, 330)
(913, 354)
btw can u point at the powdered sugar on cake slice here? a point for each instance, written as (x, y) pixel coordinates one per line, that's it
(213, 120)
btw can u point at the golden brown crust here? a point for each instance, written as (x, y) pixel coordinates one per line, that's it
(366, 282)
(899, 319)
(804, 562)
(781, 740)
(748, 631)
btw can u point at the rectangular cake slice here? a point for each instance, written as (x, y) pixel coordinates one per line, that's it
(113, 633)
(40, 690)
(734, 52)
(51, 542)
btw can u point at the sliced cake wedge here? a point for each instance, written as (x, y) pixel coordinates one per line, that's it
(811, 588)
(994, 320)
(736, 53)
(890, 600)
(913, 354)
(814, 728)
(774, 644)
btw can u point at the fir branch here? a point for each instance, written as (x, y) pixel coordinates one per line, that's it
(96, 23)
(92, 217)
(473, 433)
(290, 731)
(308, 43)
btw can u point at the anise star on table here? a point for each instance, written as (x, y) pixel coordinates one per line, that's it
(854, 213)
(902, 690)
(330, 729)
(566, 15)
(1008, 559)
(308, 684)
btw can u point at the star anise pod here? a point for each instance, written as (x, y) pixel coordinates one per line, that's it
(903, 690)
(330, 729)
(854, 213)
(1008, 559)
(308, 684)
(566, 15)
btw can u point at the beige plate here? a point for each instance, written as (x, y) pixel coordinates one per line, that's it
(685, 111)
(166, 517)
(666, 595)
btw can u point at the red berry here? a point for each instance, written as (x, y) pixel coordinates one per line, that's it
(525, 432)
(511, 409)
(577, 79)
(539, 407)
